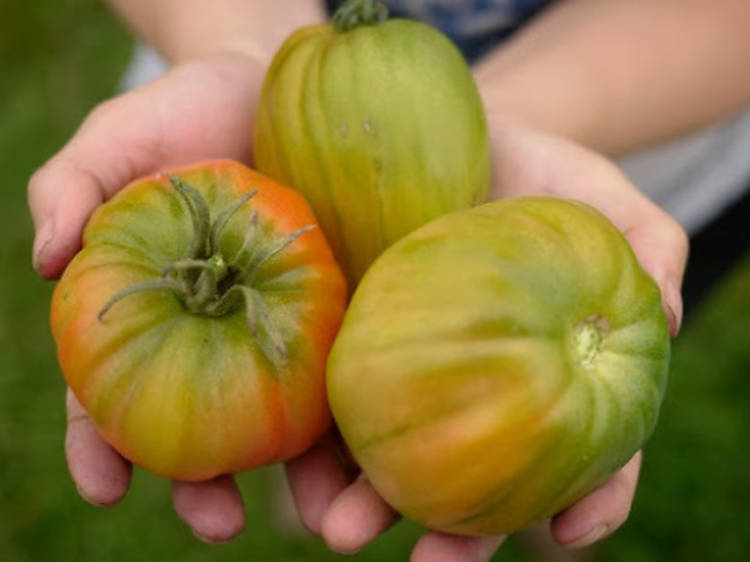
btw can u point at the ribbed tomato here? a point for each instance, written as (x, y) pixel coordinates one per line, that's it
(195, 322)
(498, 363)
(378, 123)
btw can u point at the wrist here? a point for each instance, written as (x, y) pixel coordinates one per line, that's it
(253, 29)
(179, 51)
(535, 97)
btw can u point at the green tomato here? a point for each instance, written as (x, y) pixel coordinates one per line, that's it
(378, 124)
(499, 363)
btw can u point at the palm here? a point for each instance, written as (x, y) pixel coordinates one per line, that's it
(526, 162)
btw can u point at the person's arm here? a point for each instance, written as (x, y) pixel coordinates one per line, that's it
(185, 29)
(202, 108)
(621, 74)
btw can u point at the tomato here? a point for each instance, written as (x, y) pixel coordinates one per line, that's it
(195, 322)
(378, 123)
(499, 363)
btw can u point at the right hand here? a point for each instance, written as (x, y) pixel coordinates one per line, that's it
(200, 110)
(349, 513)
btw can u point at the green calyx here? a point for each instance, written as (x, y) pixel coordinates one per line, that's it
(356, 13)
(205, 280)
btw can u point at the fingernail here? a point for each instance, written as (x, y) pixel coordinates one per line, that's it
(41, 242)
(671, 320)
(209, 540)
(95, 501)
(591, 537)
(345, 551)
(673, 309)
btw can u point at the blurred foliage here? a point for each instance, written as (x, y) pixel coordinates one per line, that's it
(57, 60)
(693, 502)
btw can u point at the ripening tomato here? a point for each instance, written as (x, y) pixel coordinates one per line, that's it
(378, 123)
(195, 322)
(498, 363)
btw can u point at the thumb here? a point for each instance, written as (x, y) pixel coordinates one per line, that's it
(199, 110)
(61, 197)
(95, 163)
(661, 246)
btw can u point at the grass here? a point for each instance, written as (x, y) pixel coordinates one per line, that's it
(57, 60)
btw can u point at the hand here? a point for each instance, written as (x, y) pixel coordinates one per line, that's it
(349, 513)
(202, 109)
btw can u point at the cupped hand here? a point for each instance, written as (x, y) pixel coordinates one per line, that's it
(349, 513)
(199, 110)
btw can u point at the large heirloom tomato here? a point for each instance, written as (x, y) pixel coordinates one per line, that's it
(194, 324)
(378, 123)
(499, 363)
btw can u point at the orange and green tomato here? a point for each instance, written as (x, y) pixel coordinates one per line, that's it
(499, 363)
(195, 322)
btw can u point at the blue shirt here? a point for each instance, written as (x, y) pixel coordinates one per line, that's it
(475, 26)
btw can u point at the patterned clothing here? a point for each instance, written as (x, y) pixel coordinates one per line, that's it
(476, 26)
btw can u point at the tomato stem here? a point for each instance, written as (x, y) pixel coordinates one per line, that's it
(249, 234)
(355, 13)
(185, 264)
(150, 285)
(200, 215)
(277, 247)
(207, 283)
(223, 218)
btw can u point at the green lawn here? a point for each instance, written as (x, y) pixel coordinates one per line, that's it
(57, 59)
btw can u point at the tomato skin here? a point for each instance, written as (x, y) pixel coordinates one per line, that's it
(380, 127)
(190, 396)
(499, 363)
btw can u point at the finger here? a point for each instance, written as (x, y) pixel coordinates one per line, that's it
(441, 547)
(662, 249)
(357, 516)
(600, 512)
(212, 509)
(315, 479)
(61, 198)
(101, 475)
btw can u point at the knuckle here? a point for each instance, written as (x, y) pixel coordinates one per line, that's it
(102, 110)
(678, 236)
(78, 419)
(671, 231)
(103, 115)
(40, 178)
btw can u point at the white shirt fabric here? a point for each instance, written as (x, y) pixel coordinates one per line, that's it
(695, 178)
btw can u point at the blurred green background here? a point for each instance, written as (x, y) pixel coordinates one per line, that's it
(58, 59)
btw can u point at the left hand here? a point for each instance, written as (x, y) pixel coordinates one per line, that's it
(201, 109)
(349, 514)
